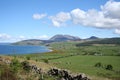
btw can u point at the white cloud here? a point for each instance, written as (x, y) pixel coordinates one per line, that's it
(98, 19)
(107, 18)
(59, 19)
(8, 38)
(22, 37)
(78, 16)
(4, 36)
(39, 16)
(117, 31)
(111, 9)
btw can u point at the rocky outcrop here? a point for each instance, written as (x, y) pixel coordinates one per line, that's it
(63, 74)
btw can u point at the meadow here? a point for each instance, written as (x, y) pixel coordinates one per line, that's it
(82, 59)
(86, 64)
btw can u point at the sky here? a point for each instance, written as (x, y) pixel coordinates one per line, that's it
(42, 19)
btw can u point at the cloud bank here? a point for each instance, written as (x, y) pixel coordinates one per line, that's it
(4, 36)
(108, 17)
(8, 38)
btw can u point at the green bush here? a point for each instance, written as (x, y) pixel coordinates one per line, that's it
(15, 65)
(28, 57)
(98, 64)
(46, 61)
(26, 66)
(109, 67)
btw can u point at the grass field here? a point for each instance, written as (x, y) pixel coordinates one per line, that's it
(85, 64)
(82, 59)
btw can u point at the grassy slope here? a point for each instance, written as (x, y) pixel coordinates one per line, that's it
(83, 62)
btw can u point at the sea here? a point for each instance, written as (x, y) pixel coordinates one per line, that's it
(8, 49)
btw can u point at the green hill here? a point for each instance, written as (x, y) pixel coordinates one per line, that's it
(115, 41)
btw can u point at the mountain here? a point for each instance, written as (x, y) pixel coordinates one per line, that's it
(64, 38)
(56, 38)
(92, 37)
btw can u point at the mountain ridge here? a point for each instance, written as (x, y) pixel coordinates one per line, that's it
(60, 37)
(65, 38)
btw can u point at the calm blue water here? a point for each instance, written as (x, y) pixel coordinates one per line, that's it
(18, 49)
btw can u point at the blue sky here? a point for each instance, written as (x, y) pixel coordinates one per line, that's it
(42, 19)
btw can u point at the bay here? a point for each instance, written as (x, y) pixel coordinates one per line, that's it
(7, 49)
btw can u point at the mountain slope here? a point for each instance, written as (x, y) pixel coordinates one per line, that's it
(29, 42)
(92, 37)
(64, 38)
(56, 38)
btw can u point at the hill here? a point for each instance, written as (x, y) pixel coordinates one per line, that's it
(56, 38)
(92, 37)
(115, 41)
(29, 42)
(64, 38)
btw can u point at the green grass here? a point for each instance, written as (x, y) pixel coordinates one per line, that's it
(71, 48)
(82, 59)
(85, 64)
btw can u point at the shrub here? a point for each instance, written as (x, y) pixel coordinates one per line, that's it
(109, 67)
(98, 64)
(36, 60)
(26, 66)
(28, 57)
(15, 65)
(46, 61)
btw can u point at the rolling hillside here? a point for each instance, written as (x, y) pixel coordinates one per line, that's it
(115, 41)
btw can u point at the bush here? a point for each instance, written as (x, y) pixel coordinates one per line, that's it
(15, 65)
(26, 66)
(109, 67)
(46, 61)
(36, 60)
(28, 57)
(98, 64)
